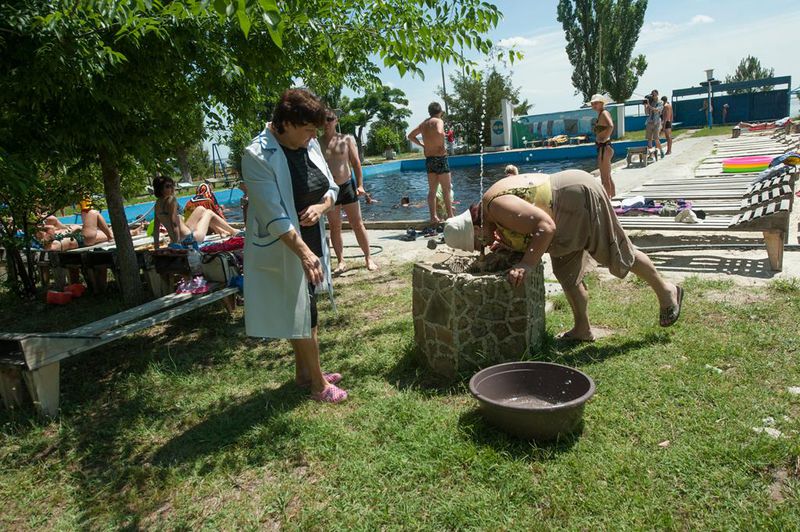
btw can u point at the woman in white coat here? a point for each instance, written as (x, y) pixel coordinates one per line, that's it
(290, 188)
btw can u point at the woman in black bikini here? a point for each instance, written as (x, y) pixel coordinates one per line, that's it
(602, 131)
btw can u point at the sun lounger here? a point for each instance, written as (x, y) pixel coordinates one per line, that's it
(35, 358)
(763, 207)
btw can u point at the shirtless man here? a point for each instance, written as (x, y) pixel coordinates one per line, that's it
(341, 154)
(432, 130)
(666, 117)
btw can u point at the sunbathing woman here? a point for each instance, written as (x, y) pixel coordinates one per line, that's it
(194, 229)
(56, 236)
(569, 216)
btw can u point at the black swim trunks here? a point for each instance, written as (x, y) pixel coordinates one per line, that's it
(347, 194)
(437, 164)
(668, 124)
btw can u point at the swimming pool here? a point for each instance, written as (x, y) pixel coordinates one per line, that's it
(388, 187)
(387, 183)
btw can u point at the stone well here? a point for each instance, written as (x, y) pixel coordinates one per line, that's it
(464, 322)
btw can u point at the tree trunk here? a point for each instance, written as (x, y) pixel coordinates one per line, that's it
(183, 164)
(130, 283)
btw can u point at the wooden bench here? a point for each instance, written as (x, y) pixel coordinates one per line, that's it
(763, 207)
(34, 358)
(643, 154)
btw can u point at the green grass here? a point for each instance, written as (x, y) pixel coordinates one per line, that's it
(192, 424)
(378, 159)
(713, 131)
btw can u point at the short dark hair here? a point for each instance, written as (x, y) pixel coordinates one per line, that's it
(158, 184)
(654, 90)
(434, 108)
(664, 99)
(298, 107)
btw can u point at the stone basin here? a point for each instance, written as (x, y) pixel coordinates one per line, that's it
(464, 322)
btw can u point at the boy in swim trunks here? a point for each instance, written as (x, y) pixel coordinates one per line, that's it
(341, 154)
(433, 145)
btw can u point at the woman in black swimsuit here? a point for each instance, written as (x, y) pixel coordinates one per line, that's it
(602, 131)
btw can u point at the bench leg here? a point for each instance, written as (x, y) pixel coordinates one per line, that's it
(44, 386)
(11, 387)
(774, 242)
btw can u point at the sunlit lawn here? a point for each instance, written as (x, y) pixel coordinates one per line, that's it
(192, 424)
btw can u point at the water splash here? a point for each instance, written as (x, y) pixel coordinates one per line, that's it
(482, 127)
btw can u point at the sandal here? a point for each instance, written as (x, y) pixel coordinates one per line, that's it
(331, 394)
(668, 316)
(330, 378)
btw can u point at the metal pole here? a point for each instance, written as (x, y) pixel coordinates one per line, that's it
(710, 123)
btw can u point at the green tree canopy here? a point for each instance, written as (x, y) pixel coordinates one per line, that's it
(385, 104)
(96, 82)
(601, 36)
(750, 69)
(474, 100)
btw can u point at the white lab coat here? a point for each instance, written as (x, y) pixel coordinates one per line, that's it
(276, 298)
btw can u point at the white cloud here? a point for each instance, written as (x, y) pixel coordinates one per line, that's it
(701, 19)
(519, 42)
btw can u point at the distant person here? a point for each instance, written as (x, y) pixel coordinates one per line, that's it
(653, 108)
(56, 236)
(341, 154)
(433, 145)
(188, 232)
(725, 108)
(511, 170)
(368, 199)
(603, 128)
(666, 118)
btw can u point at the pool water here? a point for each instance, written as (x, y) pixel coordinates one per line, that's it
(390, 187)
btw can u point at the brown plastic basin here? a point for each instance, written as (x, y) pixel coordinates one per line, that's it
(532, 400)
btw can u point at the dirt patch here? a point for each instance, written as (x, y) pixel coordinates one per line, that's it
(736, 296)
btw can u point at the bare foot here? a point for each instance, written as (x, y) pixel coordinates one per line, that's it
(340, 269)
(371, 265)
(575, 336)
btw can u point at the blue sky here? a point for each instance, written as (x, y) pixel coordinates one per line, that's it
(680, 38)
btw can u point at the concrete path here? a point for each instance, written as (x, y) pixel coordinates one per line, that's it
(742, 267)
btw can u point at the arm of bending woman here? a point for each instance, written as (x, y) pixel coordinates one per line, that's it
(520, 216)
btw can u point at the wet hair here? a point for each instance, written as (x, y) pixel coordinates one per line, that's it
(298, 107)
(511, 170)
(158, 184)
(664, 99)
(434, 108)
(405, 200)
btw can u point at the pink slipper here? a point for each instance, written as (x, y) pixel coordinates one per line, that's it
(330, 378)
(331, 394)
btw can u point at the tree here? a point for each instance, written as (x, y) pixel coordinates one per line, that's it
(101, 81)
(620, 72)
(386, 104)
(581, 22)
(382, 137)
(474, 100)
(601, 59)
(750, 69)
